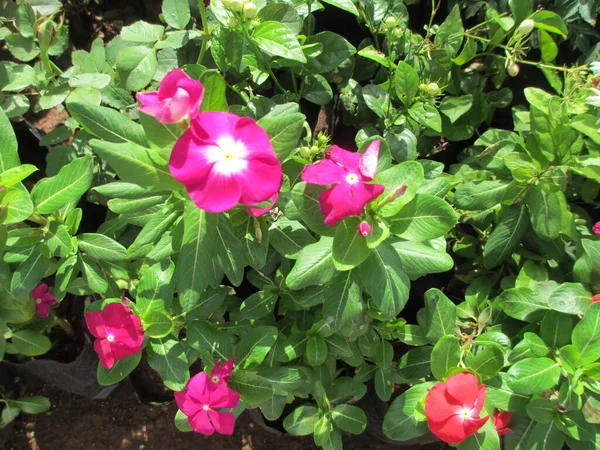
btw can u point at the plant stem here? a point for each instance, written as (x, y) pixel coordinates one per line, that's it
(309, 17)
(35, 217)
(205, 32)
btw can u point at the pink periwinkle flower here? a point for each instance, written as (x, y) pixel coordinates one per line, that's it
(178, 98)
(350, 173)
(220, 373)
(257, 212)
(364, 228)
(201, 400)
(224, 159)
(118, 332)
(44, 300)
(596, 228)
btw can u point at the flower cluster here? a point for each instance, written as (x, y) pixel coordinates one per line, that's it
(204, 396)
(43, 299)
(118, 333)
(453, 408)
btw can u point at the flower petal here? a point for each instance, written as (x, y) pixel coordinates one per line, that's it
(217, 193)
(254, 137)
(115, 315)
(149, 103)
(324, 172)
(345, 200)
(222, 396)
(49, 299)
(450, 430)
(257, 212)
(464, 388)
(42, 309)
(195, 90)
(169, 83)
(349, 160)
(472, 426)
(210, 127)
(261, 180)
(200, 423)
(368, 162)
(40, 290)
(187, 404)
(479, 402)
(95, 324)
(437, 408)
(102, 348)
(224, 422)
(189, 163)
(197, 388)
(176, 109)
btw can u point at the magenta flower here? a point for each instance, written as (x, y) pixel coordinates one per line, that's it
(596, 228)
(118, 333)
(257, 212)
(350, 173)
(200, 400)
(364, 228)
(220, 373)
(224, 159)
(178, 98)
(44, 300)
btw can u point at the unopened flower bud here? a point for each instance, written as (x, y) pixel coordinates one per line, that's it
(365, 229)
(390, 22)
(596, 228)
(433, 89)
(526, 27)
(232, 22)
(399, 191)
(305, 152)
(314, 149)
(513, 69)
(235, 5)
(596, 298)
(250, 10)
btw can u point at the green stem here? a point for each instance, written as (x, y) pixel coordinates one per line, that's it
(259, 55)
(205, 31)
(309, 18)
(35, 217)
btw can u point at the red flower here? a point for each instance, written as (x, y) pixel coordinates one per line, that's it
(118, 333)
(596, 298)
(453, 407)
(44, 300)
(220, 373)
(501, 420)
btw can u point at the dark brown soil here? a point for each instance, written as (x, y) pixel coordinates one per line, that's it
(122, 422)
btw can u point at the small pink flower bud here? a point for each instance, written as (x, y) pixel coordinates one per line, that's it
(365, 229)
(399, 191)
(596, 298)
(596, 228)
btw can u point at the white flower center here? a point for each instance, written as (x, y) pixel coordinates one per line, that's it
(205, 407)
(466, 413)
(110, 338)
(228, 155)
(38, 300)
(351, 178)
(215, 379)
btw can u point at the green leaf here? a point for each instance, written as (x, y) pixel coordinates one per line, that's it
(195, 270)
(133, 163)
(406, 83)
(253, 388)
(376, 98)
(9, 413)
(513, 223)
(545, 213)
(205, 338)
(382, 276)
(541, 409)
(13, 308)
(258, 305)
(29, 274)
(487, 361)
(119, 371)
(9, 156)
(556, 329)
(419, 259)
(570, 298)
(71, 182)
(107, 123)
(316, 89)
(342, 303)
(533, 375)
(15, 175)
(228, 252)
(142, 32)
(284, 131)
(586, 335)
(450, 32)
(31, 343)
(167, 356)
(302, 420)
(403, 421)
(547, 46)
(535, 344)
(289, 237)
(157, 324)
(408, 174)
(316, 351)
(101, 247)
(254, 346)
(17, 204)
(136, 66)
(214, 90)
(445, 356)
(176, 13)
(440, 315)
(415, 363)
(426, 217)
(478, 195)
(276, 39)
(155, 289)
(346, 5)
(456, 107)
(375, 55)
(349, 418)
(93, 275)
(32, 405)
(545, 437)
(338, 50)
(427, 115)
(468, 52)
(521, 9)
(306, 199)
(551, 22)
(182, 422)
(314, 265)
(349, 246)
(485, 439)
(523, 304)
